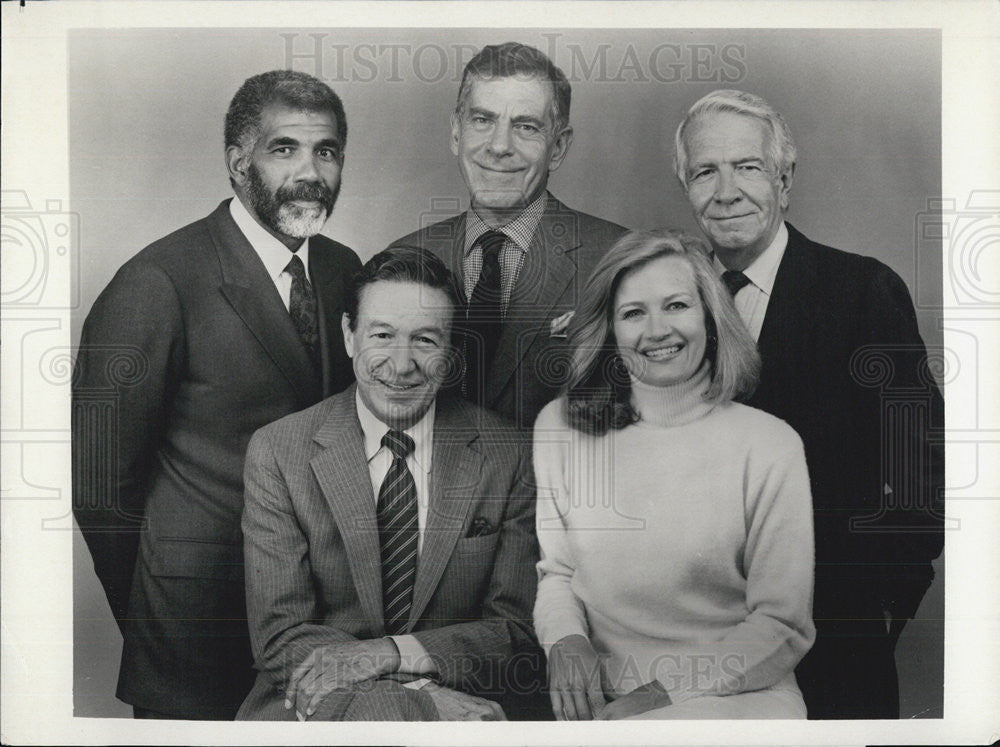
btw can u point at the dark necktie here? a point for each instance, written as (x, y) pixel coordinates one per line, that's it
(302, 308)
(397, 533)
(484, 320)
(734, 280)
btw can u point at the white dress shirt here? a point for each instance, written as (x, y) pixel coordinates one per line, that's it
(412, 655)
(272, 252)
(751, 300)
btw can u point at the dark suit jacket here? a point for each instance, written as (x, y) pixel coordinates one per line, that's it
(844, 364)
(312, 549)
(529, 366)
(185, 354)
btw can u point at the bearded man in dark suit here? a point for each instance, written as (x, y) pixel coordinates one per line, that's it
(844, 364)
(200, 339)
(519, 256)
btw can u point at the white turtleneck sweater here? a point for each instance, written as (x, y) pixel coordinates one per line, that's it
(681, 546)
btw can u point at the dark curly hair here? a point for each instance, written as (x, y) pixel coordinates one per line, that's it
(283, 87)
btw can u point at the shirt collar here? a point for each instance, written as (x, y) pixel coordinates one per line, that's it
(421, 432)
(520, 230)
(763, 270)
(272, 252)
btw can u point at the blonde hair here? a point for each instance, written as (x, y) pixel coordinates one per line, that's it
(598, 389)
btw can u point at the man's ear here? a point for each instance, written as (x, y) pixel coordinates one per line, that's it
(237, 164)
(560, 148)
(345, 326)
(785, 185)
(456, 132)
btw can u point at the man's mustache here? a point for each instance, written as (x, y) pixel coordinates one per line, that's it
(307, 192)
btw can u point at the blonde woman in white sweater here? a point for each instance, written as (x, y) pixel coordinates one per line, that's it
(675, 524)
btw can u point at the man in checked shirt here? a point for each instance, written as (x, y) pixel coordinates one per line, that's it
(519, 255)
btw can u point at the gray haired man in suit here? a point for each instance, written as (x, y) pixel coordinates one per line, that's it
(519, 255)
(821, 316)
(389, 532)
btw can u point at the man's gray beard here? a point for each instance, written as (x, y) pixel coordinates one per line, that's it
(300, 223)
(285, 217)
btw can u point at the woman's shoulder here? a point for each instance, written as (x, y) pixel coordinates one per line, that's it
(552, 416)
(764, 428)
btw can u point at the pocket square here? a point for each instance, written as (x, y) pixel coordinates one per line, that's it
(480, 527)
(557, 328)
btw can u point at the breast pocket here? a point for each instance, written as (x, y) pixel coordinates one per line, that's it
(467, 577)
(180, 557)
(477, 545)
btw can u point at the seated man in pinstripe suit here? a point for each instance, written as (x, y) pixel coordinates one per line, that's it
(389, 532)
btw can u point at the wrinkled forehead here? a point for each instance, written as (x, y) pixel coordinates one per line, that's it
(484, 89)
(278, 117)
(721, 128)
(405, 304)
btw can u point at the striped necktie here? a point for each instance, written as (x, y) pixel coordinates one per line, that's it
(397, 532)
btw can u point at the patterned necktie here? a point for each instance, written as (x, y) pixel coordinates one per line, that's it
(397, 533)
(302, 308)
(484, 319)
(734, 280)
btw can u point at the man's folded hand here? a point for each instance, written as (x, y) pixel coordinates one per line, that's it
(453, 705)
(336, 666)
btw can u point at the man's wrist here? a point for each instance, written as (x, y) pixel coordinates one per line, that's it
(389, 658)
(418, 684)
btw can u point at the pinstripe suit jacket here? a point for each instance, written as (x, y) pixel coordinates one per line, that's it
(313, 570)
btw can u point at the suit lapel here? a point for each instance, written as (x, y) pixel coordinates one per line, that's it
(343, 477)
(447, 241)
(456, 257)
(549, 268)
(324, 280)
(788, 323)
(250, 291)
(342, 473)
(456, 464)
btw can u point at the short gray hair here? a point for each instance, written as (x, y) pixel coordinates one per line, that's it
(781, 153)
(513, 59)
(290, 88)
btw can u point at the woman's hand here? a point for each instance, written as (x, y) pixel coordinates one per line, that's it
(643, 698)
(575, 679)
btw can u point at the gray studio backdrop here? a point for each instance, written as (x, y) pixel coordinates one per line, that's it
(146, 112)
